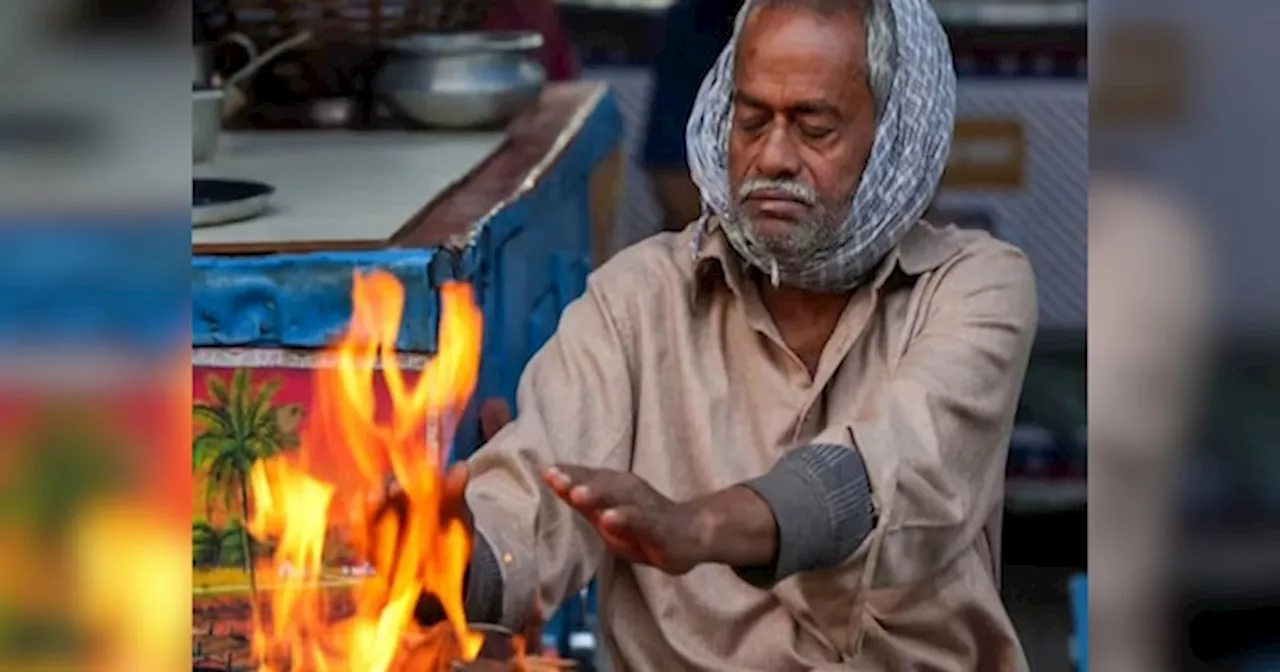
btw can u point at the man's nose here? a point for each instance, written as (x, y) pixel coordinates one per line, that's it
(778, 158)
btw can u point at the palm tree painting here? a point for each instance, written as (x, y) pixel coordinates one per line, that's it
(237, 425)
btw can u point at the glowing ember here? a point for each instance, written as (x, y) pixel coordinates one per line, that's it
(337, 479)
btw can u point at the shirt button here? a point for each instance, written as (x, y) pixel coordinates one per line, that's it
(507, 558)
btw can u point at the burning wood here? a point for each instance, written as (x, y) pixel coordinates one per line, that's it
(335, 481)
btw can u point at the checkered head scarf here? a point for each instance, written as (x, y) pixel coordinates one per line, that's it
(916, 98)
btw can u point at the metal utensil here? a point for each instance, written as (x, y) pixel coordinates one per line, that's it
(212, 99)
(215, 201)
(462, 80)
(206, 123)
(203, 74)
(267, 56)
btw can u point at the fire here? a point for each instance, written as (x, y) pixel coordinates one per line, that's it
(337, 480)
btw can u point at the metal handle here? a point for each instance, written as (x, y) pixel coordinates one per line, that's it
(265, 57)
(243, 42)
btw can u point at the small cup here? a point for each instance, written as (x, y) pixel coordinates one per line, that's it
(206, 123)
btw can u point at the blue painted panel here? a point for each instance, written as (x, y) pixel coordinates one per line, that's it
(1079, 590)
(304, 301)
(532, 258)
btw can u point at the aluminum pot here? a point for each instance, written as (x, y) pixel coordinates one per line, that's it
(462, 80)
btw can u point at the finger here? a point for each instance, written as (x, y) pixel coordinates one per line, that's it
(558, 481)
(455, 480)
(574, 497)
(578, 486)
(454, 502)
(574, 474)
(627, 522)
(614, 520)
(595, 488)
(494, 415)
(624, 544)
(577, 499)
(597, 495)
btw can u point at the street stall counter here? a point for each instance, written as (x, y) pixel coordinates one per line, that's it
(523, 225)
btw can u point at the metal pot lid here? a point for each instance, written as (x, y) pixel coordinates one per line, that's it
(467, 43)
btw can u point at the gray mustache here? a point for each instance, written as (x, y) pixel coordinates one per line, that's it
(797, 190)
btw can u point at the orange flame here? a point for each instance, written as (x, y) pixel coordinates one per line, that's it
(337, 477)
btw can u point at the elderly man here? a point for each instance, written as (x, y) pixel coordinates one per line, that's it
(778, 438)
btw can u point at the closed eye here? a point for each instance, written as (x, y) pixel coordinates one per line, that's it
(815, 132)
(752, 123)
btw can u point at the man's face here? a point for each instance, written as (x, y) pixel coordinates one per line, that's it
(803, 125)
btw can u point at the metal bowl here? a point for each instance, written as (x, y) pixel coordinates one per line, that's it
(462, 80)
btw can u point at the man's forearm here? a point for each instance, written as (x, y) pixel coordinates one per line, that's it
(737, 528)
(810, 512)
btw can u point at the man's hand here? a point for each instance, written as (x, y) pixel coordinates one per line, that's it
(636, 522)
(453, 506)
(494, 415)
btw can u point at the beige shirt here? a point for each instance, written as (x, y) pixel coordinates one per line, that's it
(670, 367)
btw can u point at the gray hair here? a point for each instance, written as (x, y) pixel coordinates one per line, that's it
(912, 78)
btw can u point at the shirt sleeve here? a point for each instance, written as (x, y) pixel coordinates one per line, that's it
(574, 404)
(923, 460)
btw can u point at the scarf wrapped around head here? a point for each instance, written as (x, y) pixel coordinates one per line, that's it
(912, 139)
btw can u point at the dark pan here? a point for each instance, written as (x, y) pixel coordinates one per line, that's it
(216, 201)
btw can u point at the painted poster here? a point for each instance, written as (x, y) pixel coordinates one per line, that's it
(241, 416)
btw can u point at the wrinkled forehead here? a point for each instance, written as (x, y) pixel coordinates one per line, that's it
(795, 40)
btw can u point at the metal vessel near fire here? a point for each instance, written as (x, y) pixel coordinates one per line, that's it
(462, 80)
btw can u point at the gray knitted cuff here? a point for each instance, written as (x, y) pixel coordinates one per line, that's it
(483, 596)
(820, 496)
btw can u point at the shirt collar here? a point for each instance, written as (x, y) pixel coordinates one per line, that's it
(924, 248)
